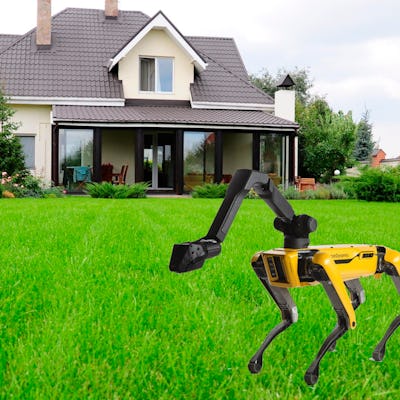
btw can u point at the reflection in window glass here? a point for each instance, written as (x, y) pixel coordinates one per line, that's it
(164, 83)
(271, 153)
(75, 149)
(199, 156)
(28, 148)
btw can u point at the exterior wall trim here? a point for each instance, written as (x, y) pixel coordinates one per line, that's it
(289, 129)
(66, 101)
(233, 106)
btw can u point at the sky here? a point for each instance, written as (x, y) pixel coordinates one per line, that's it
(351, 48)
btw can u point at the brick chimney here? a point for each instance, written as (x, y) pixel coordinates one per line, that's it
(111, 9)
(43, 31)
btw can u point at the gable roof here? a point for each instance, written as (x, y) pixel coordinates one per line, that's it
(160, 22)
(75, 70)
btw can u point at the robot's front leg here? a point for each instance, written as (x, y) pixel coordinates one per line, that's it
(335, 288)
(288, 308)
(357, 295)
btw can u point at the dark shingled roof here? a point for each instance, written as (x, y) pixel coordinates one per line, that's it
(76, 64)
(7, 40)
(83, 42)
(225, 78)
(173, 115)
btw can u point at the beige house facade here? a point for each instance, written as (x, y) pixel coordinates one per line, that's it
(120, 88)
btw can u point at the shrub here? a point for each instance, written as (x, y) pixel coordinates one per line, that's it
(376, 184)
(291, 193)
(22, 185)
(107, 190)
(210, 191)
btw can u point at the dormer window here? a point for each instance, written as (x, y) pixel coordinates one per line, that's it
(156, 74)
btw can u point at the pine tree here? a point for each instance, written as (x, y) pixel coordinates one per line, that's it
(12, 158)
(364, 143)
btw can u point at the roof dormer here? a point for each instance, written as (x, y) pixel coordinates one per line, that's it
(162, 23)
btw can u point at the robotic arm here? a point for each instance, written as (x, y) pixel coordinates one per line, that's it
(191, 255)
(337, 268)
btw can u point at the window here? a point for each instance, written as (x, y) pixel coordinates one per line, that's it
(28, 148)
(199, 156)
(75, 150)
(156, 74)
(272, 156)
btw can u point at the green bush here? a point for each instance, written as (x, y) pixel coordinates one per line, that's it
(376, 184)
(210, 191)
(23, 185)
(107, 190)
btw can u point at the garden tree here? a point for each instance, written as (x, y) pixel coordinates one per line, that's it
(267, 83)
(12, 158)
(326, 139)
(364, 142)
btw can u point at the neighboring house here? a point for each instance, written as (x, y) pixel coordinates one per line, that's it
(377, 156)
(390, 162)
(94, 87)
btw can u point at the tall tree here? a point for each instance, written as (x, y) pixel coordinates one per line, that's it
(301, 77)
(12, 158)
(364, 142)
(326, 139)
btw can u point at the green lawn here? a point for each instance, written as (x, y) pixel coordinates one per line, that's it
(89, 309)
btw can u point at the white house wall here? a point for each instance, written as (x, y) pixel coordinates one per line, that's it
(35, 121)
(156, 43)
(118, 148)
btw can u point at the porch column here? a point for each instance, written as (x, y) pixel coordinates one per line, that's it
(139, 155)
(179, 162)
(54, 154)
(293, 157)
(97, 133)
(256, 151)
(218, 157)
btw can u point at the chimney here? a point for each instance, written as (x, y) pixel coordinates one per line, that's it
(43, 31)
(111, 9)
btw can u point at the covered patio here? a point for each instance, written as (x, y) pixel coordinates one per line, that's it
(172, 145)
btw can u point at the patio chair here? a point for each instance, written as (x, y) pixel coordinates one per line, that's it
(106, 172)
(120, 177)
(82, 175)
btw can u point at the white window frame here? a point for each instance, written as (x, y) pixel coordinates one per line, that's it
(156, 76)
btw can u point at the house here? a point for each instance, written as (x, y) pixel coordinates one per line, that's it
(378, 155)
(94, 87)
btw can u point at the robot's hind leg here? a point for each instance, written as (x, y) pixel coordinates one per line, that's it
(288, 308)
(380, 349)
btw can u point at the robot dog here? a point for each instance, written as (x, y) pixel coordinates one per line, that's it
(338, 268)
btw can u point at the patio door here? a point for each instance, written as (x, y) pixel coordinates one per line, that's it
(159, 150)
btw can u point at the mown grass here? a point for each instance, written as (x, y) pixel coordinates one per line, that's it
(89, 309)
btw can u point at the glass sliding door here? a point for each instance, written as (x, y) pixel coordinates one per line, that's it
(75, 152)
(199, 158)
(158, 160)
(274, 157)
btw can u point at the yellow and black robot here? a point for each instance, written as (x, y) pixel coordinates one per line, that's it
(337, 267)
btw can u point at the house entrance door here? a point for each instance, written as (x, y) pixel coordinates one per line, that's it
(159, 150)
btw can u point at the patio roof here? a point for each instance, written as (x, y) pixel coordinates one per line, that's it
(179, 116)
